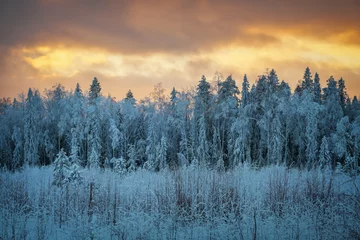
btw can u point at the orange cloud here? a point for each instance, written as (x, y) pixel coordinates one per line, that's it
(175, 42)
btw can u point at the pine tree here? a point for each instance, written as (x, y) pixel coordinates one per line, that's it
(78, 90)
(74, 154)
(119, 165)
(203, 148)
(33, 112)
(61, 169)
(77, 127)
(276, 143)
(317, 89)
(273, 80)
(220, 166)
(115, 136)
(333, 111)
(130, 98)
(245, 92)
(228, 89)
(132, 158)
(350, 165)
(307, 83)
(95, 90)
(18, 149)
(151, 164)
(202, 109)
(324, 155)
(342, 93)
(94, 159)
(161, 153)
(355, 133)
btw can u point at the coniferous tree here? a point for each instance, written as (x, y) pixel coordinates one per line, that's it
(307, 83)
(161, 153)
(203, 147)
(324, 154)
(95, 90)
(317, 89)
(18, 152)
(342, 93)
(33, 114)
(245, 92)
(130, 97)
(61, 169)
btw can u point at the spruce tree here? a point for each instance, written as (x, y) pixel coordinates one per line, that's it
(307, 83)
(95, 90)
(245, 92)
(317, 89)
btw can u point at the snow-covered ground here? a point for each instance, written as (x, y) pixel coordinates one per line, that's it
(244, 203)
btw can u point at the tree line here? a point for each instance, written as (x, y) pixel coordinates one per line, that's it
(214, 125)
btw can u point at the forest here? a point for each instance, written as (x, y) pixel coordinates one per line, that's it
(214, 160)
(207, 126)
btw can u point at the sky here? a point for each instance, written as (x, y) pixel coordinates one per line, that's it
(136, 44)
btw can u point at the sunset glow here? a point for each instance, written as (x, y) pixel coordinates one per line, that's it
(134, 45)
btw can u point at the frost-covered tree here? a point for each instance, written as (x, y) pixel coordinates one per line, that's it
(355, 132)
(333, 111)
(273, 80)
(95, 90)
(161, 153)
(61, 169)
(203, 146)
(220, 166)
(342, 93)
(242, 129)
(119, 165)
(324, 154)
(158, 96)
(130, 97)
(245, 98)
(307, 83)
(115, 135)
(77, 115)
(317, 89)
(202, 108)
(276, 142)
(226, 111)
(151, 162)
(94, 140)
(18, 149)
(32, 120)
(132, 158)
(341, 139)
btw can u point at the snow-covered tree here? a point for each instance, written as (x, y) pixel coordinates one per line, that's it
(203, 147)
(61, 169)
(33, 114)
(307, 83)
(161, 153)
(119, 165)
(317, 89)
(341, 139)
(152, 139)
(130, 98)
(132, 158)
(115, 135)
(18, 149)
(342, 93)
(95, 90)
(324, 154)
(245, 92)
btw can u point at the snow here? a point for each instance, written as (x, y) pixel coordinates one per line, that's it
(189, 203)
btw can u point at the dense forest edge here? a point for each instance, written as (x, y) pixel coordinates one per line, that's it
(209, 126)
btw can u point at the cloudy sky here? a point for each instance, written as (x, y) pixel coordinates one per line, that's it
(136, 44)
